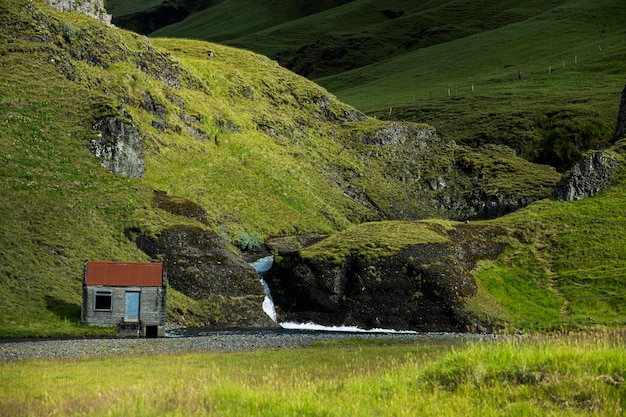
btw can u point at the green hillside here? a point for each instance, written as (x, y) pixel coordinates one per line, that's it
(571, 60)
(453, 64)
(267, 153)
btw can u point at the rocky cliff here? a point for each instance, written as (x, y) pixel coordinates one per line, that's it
(91, 8)
(419, 287)
(590, 175)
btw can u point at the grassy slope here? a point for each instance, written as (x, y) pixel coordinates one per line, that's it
(233, 19)
(473, 52)
(583, 43)
(60, 207)
(120, 8)
(571, 56)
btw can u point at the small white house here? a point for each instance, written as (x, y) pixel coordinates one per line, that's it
(128, 295)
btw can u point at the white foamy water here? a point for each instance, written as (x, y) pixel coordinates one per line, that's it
(351, 329)
(261, 266)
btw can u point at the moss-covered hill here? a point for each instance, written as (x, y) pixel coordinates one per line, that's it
(539, 76)
(265, 152)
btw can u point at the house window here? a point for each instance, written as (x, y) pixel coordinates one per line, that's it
(104, 300)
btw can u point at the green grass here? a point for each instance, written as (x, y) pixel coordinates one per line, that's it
(452, 64)
(269, 164)
(469, 89)
(565, 375)
(566, 269)
(373, 241)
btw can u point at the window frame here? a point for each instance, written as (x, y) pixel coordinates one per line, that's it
(103, 293)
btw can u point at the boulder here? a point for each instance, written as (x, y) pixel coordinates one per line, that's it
(119, 146)
(203, 266)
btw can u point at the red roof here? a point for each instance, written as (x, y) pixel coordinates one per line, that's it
(124, 274)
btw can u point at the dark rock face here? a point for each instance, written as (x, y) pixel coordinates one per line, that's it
(592, 174)
(201, 265)
(119, 147)
(199, 262)
(496, 205)
(422, 287)
(620, 130)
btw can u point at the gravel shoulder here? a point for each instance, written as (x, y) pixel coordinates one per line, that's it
(218, 341)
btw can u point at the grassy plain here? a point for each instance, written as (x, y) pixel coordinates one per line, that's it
(566, 375)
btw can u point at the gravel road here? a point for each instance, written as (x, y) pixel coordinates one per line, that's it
(214, 341)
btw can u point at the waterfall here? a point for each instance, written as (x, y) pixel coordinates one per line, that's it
(261, 266)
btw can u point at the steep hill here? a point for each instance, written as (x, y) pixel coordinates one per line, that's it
(118, 147)
(540, 77)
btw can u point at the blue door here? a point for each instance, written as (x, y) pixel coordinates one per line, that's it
(132, 306)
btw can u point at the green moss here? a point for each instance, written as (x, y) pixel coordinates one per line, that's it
(374, 240)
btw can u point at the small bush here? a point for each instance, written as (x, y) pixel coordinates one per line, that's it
(246, 241)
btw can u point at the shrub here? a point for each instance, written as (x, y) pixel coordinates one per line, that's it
(246, 241)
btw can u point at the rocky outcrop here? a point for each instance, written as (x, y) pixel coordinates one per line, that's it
(620, 130)
(592, 174)
(119, 147)
(203, 266)
(91, 8)
(422, 287)
(460, 183)
(199, 262)
(180, 206)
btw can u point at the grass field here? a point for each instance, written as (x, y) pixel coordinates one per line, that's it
(576, 375)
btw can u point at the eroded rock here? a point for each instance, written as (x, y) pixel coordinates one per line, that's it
(422, 287)
(119, 147)
(590, 175)
(203, 266)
